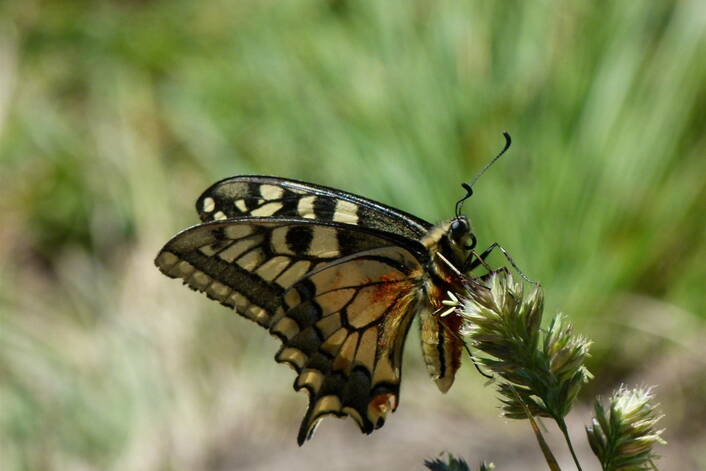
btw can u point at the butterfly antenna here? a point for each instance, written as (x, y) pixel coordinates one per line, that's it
(459, 203)
(508, 141)
(469, 188)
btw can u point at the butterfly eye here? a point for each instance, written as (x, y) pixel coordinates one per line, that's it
(459, 230)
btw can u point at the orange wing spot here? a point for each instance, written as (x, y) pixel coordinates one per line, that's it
(374, 301)
(384, 403)
(355, 273)
(388, 288)
(379, 407)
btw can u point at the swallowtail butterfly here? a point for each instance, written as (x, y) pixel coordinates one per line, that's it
(338, 278)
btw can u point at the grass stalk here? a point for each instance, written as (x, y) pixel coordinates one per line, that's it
(564, 430)
(543, 445)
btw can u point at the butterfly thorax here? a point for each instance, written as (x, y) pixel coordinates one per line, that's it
(447, 249)
(446, 244)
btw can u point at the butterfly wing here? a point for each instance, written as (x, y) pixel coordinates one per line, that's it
(262, 196)
(343, 331)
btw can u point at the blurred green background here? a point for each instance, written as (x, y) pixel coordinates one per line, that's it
(115, 115)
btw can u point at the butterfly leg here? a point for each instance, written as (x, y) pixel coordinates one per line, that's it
(480, 260)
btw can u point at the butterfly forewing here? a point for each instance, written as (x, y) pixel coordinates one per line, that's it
(259, 196)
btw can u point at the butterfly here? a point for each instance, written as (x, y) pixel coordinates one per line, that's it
(337, 278)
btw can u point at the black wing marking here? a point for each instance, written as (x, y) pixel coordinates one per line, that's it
(263, 196)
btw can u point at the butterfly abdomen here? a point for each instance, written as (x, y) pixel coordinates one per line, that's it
(440, 336)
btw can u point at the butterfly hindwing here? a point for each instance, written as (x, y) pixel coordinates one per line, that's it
(343, 329)
(260, 196)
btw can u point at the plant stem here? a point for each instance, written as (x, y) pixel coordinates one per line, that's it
(548, 456)
(546, 451)
(562, 426)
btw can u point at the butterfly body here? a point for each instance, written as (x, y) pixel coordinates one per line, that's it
(338, 278)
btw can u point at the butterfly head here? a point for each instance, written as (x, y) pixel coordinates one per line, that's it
(458, 240)
(452, 240)
(460, 234)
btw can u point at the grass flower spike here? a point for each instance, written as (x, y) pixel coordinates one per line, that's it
(540, 372)
(545, 370)
(622, 436)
